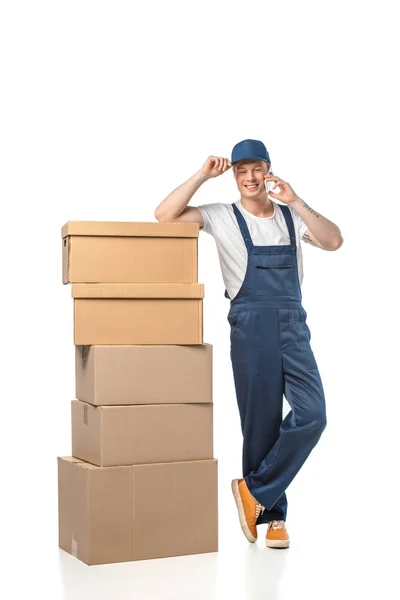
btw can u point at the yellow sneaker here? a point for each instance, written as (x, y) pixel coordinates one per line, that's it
(277, 535)
(248, 508)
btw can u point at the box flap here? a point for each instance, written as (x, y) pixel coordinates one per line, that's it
(137, 290)
(71, 459)
(131, 229)
(77, 461)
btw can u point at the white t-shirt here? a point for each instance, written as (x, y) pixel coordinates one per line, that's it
(220, 222)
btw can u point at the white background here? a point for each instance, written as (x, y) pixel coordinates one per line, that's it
(107, 107)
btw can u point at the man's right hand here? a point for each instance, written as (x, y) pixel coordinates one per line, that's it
(215, 165)
(174, 206)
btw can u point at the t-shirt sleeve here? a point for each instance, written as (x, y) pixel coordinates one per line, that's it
(211, 216)
(302, 227)
(299, 223)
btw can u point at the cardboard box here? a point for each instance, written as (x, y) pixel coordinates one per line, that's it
(144, 374)
(112, 252)
(146, 433)
(135, 313)
(116, 514)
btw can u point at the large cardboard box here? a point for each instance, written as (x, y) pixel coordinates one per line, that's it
(113, 252)
(116, 514)
(145, 433)
(144, 374)
(135, 313)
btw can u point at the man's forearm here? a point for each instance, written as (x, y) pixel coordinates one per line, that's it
(176, 202)
(327, 233)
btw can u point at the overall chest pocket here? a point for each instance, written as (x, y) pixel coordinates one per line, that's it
(275, 274)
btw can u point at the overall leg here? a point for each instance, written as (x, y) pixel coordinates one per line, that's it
(302, 427)
(259, 391)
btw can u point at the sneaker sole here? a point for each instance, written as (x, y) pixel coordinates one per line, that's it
(242, 518)
(277, 543)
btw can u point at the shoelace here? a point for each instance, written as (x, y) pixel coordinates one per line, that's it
(277, 524)
(259, 508)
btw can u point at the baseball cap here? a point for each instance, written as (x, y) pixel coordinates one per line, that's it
(249, 149)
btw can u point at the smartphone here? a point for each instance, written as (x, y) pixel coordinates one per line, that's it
(269, 184)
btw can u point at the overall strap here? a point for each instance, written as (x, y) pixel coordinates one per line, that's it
(243, 228)
(289, 222)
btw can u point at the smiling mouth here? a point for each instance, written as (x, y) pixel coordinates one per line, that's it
(251, 187)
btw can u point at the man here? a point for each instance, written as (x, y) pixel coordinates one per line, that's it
(258, 242)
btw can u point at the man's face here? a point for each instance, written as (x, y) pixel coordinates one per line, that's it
(249, 177)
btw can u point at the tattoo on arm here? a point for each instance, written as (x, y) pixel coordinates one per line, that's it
(311, 209)
(308, 239)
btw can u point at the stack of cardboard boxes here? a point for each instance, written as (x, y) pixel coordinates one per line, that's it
(142, 479)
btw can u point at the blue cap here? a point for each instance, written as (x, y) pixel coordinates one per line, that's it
(250, 149)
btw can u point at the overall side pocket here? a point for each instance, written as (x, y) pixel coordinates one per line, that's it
(245, 347)
(303, 322)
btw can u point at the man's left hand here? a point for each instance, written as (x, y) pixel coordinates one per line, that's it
(286, 194)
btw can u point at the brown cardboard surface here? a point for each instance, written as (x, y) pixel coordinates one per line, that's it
(144, 374)
(117, 514)
(141, 434)
(138, 321)
(138, 290)
(130, 229)
(113, 252)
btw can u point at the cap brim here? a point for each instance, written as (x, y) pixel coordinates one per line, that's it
(250, 158)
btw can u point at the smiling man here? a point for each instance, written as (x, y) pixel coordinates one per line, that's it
(258, 242)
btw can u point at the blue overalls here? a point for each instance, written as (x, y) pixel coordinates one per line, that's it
(271, 356)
